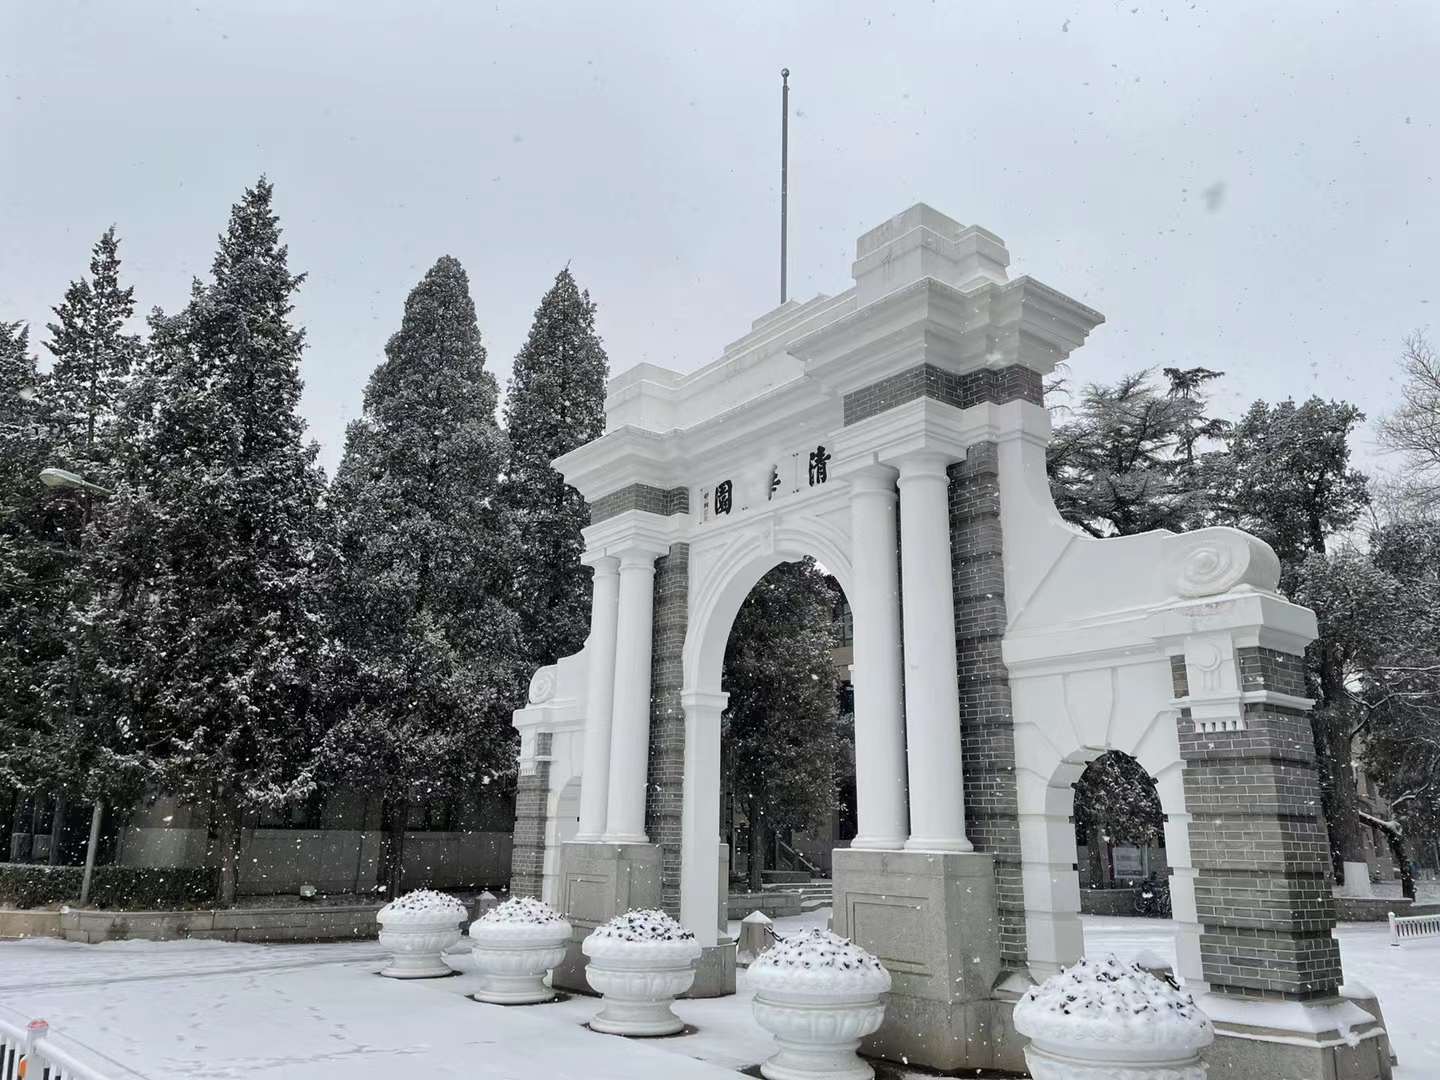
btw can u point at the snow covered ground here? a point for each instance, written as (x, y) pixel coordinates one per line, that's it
(215, 1011)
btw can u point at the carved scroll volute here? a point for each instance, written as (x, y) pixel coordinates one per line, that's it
(1213, 561)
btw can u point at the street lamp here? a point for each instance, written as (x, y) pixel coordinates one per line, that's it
(64, 478)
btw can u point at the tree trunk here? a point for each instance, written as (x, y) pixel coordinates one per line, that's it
(396, 816)
(228, 839)
(1094, 856)
(1331, 727)
(1396, 839)
(757, 845)
(57, 830)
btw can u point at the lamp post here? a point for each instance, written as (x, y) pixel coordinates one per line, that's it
(65, 479)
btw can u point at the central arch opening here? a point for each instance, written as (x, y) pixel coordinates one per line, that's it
(787, 740)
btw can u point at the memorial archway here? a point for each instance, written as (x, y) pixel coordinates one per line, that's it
(897, 433)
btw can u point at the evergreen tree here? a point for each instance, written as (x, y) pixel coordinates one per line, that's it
(93, 360)
(782, 724)
(1285, 476)
(211, 627)
(1116, 803)
(1125, 462)
(555, 403)
(33, 565)
(424, 658)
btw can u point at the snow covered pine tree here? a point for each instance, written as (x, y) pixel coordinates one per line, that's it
(424, 661)
(217, 525)
(556, 402)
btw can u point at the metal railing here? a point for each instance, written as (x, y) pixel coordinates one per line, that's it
(1406, 928)
(29, 1050)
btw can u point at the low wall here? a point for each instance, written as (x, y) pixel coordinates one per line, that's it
(279, 861)
(1370, 908)
(15, 924)
(235, 924)
(775, 903)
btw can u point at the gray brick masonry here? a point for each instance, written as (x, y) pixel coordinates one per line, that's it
(640, 497)
(665, 784)
(1014, 383)
(532, 793)
(987, 732)
(1259, 845)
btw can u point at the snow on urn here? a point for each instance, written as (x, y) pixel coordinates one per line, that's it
(417, 928)
(640, 962)
(819, 995)
(515, 945)
(1104, 1020)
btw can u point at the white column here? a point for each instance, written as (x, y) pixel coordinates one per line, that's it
(932, 699)
(600, 700)
(879, 697)
(630, 725)
(701, 883)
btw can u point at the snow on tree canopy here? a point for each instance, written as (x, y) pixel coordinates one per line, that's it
(818, 961)
(421, 906)
(522, 909)
(1107, 1001)
(640, 926)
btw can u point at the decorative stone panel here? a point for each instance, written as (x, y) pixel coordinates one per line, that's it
(1013, 383)
(992, 817)
(652, 500)
(665, 782)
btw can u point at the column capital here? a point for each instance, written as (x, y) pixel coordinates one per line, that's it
(871, 478)
(638, 558)
(601, 563)
(698, 700)
(924, 464)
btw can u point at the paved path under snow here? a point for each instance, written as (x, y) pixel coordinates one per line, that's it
(215, 1011)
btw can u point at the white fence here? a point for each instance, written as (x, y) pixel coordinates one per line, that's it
(30, 1050)
(1406, 928)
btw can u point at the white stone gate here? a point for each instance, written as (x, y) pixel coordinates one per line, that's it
(897, 434)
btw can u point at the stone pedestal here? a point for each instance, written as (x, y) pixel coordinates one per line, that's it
(1332, 1039)
(931, 919)
(600, 881)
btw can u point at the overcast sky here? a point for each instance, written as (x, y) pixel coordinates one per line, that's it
(1253, 192)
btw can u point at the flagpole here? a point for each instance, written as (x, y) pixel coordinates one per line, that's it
(784, 170)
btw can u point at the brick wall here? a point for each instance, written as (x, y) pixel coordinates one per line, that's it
(641, 497)
(987, 730)
(1259, 844)
(532, 795)
(1014, 383)
(665, 783)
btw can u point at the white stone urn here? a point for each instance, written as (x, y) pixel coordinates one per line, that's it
(515, 945)
(417, 928)
(640, 962)
(1104, 1020)
(819, 995)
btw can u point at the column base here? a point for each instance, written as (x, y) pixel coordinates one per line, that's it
(624, 838)
(878, 843)
(1292, 1040)
(943, 844)
(930, 917)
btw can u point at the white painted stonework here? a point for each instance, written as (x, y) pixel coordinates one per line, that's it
(1091, 624)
